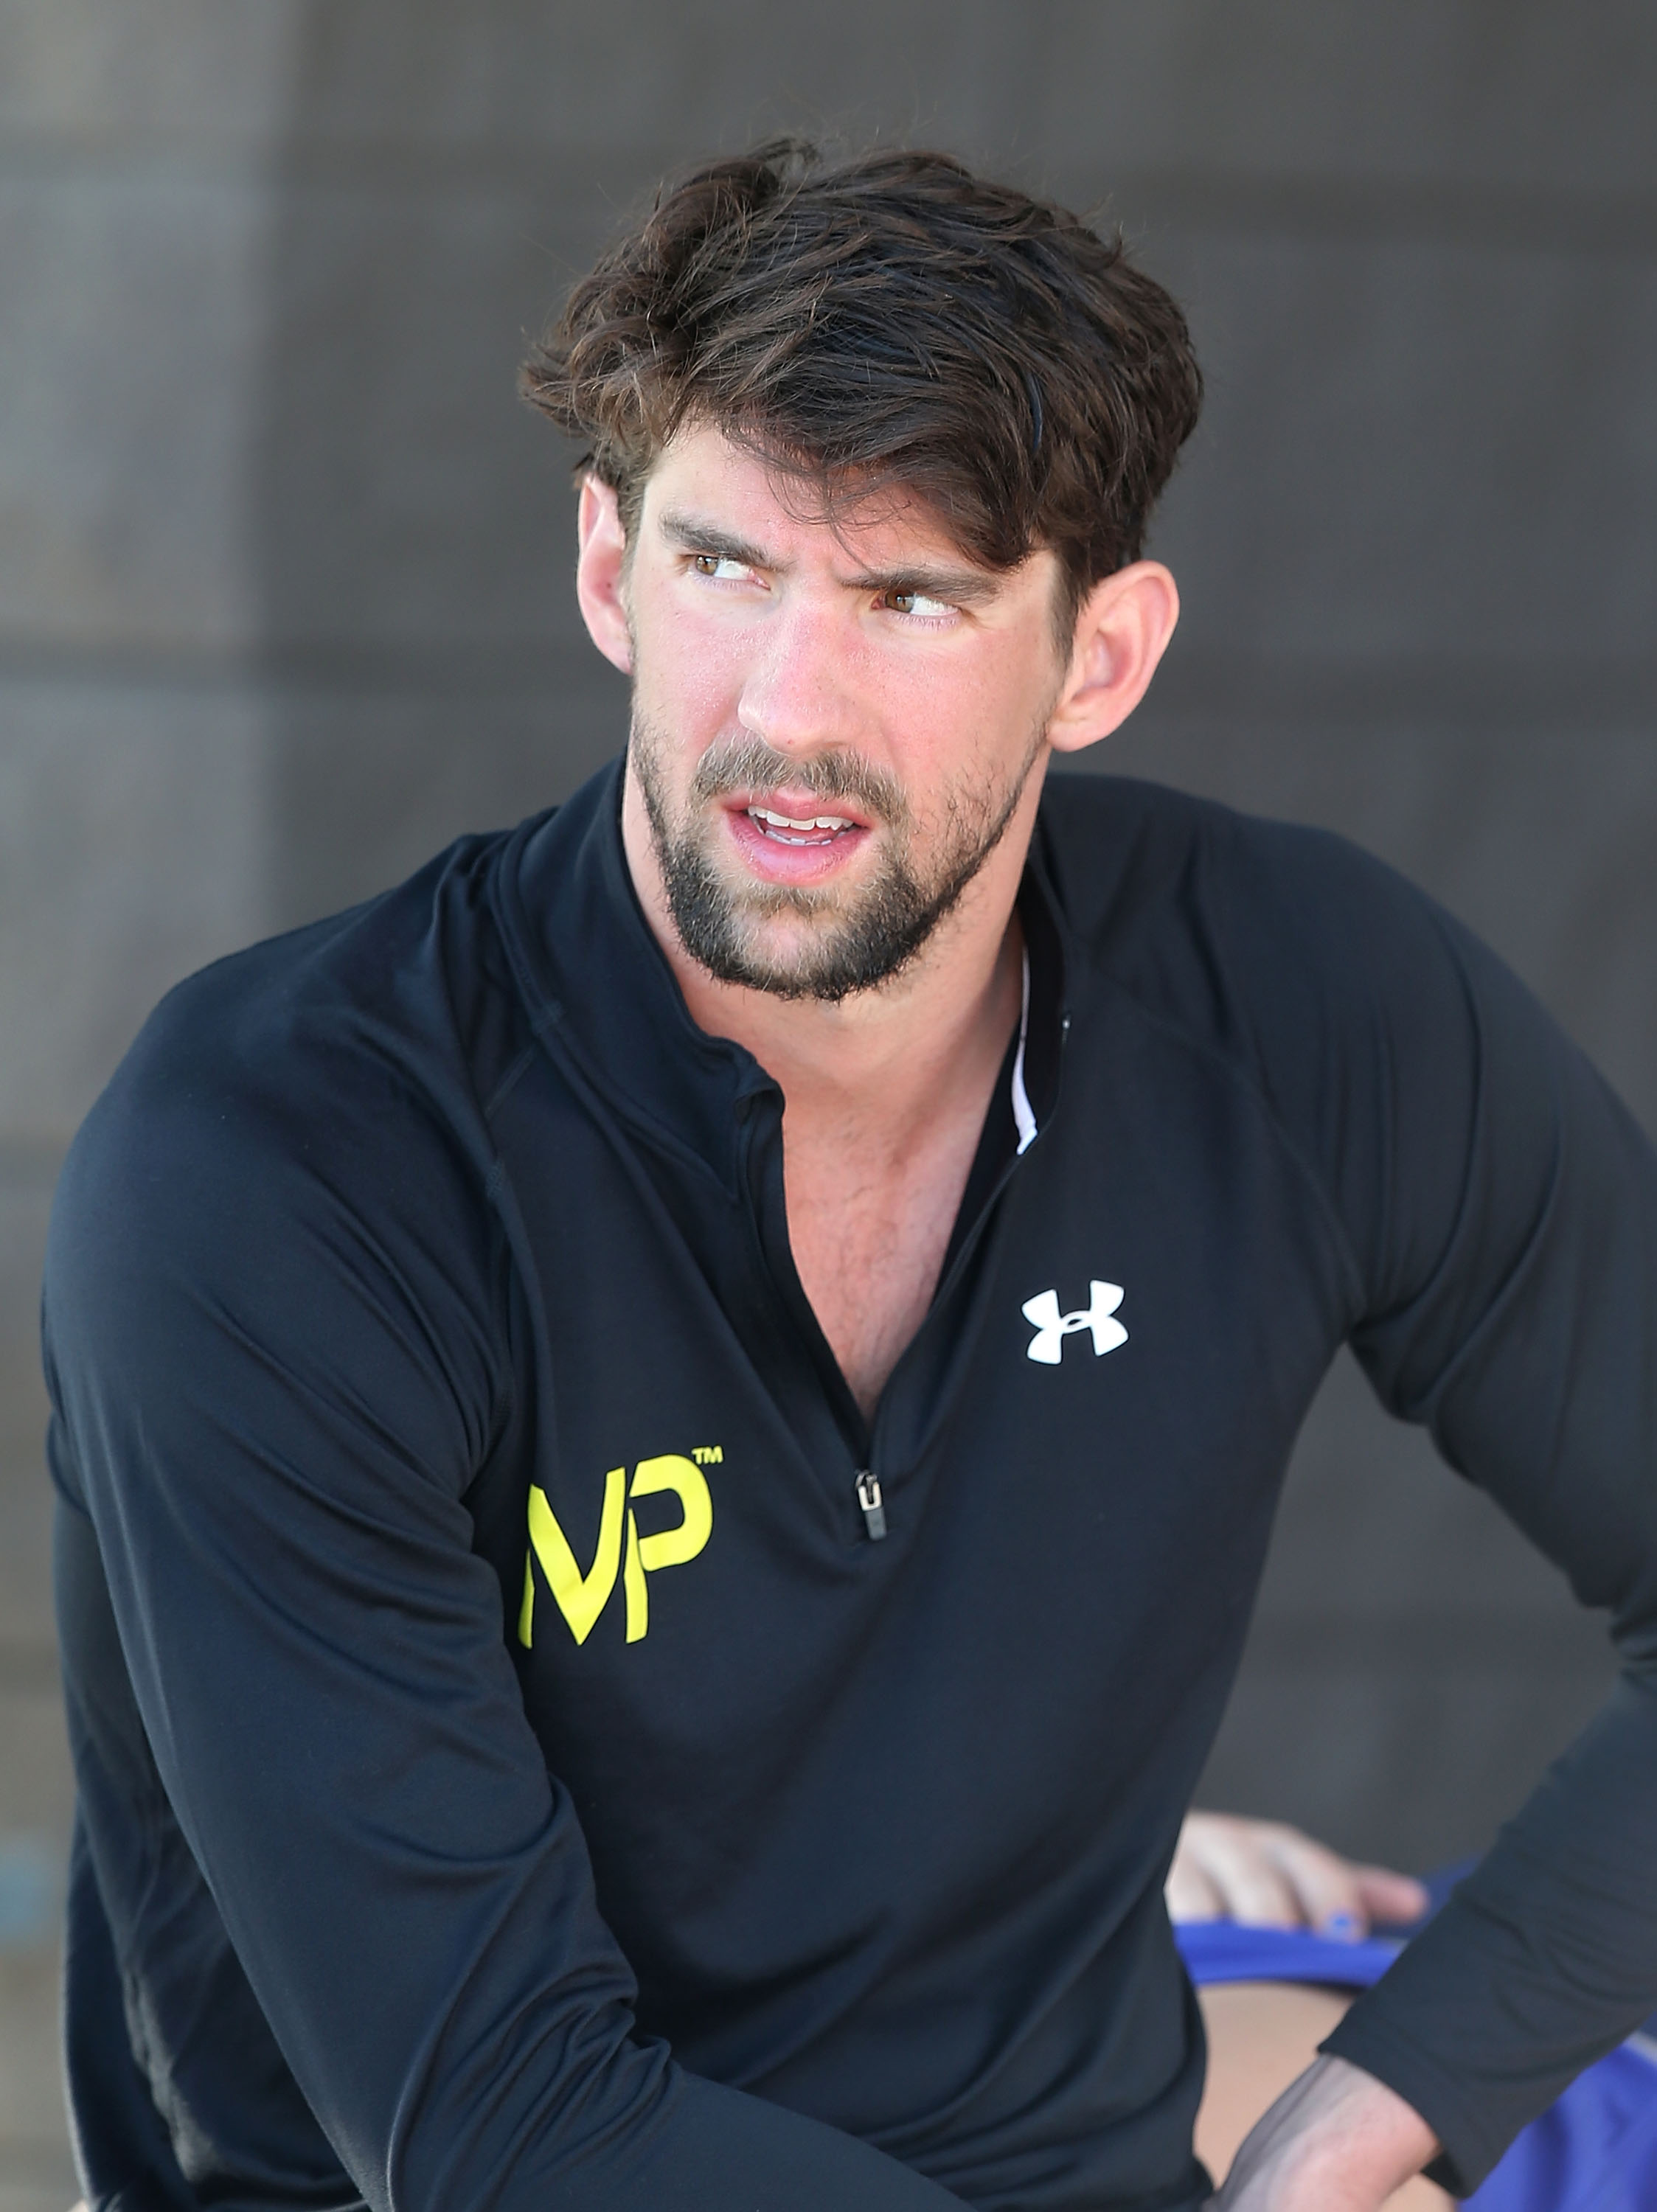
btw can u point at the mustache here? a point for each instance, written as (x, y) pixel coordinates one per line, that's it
(748, 763)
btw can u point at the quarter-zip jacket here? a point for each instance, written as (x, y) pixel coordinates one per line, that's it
(512, 1772)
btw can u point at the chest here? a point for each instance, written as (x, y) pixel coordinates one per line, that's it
(1089, 1415)
(754, 1707)
(868, 1233)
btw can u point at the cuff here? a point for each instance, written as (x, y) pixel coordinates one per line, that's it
(1467, 2151)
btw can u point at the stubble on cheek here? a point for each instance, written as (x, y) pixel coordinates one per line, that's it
(858, 934)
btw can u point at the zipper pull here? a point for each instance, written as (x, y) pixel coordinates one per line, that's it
(868, 1496)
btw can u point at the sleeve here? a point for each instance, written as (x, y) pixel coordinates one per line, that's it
(1501, 1208)
(275, 1352)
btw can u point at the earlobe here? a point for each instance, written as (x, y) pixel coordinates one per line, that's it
(1122, 632)
(601, 573)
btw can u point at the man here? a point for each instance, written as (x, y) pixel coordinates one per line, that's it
(666, 1434)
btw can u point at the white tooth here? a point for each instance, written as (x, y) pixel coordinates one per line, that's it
(791, 821)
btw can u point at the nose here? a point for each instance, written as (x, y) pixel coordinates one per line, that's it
(798, 693)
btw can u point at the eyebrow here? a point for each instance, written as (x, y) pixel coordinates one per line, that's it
(960, 587)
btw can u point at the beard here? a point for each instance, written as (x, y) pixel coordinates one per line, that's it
(855, 939)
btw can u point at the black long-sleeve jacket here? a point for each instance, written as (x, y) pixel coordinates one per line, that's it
(510, 1773)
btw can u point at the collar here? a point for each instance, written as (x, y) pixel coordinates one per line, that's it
(598, 988)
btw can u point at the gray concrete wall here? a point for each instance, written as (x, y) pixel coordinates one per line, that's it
(284, 603)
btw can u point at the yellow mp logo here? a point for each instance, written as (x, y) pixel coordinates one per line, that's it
(621, 1550)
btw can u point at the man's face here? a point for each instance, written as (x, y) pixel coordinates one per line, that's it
(832, 725)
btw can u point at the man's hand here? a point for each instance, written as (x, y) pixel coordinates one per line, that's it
(1336, 2141)
(1267, 1876)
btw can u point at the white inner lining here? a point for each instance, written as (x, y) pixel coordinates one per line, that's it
(1023, 1120)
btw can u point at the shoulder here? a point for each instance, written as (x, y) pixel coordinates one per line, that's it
(1120, 851)
(1384, 1043)
(1255, 935)
(390, 1006)
(1305, 976)
(308, 1108)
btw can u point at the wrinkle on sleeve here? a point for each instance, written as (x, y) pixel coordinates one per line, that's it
(1501, 1203)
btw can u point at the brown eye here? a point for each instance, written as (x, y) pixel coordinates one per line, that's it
(917, 604)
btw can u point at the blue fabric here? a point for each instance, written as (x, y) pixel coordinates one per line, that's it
(1225, 1951)
(1593, 2150)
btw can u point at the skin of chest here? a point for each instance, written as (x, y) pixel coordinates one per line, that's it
(869, 1223)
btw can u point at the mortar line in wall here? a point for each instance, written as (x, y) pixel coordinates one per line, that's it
(28, 1667)
(30, 1163)
(1586, 696)
(1577, 220)
(1415, 1639)
(35, 2161)
(511, 671)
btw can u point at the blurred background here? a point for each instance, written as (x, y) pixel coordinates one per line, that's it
(285, 604)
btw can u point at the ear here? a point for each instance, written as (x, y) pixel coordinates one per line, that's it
(601, 572)
(1121, 633)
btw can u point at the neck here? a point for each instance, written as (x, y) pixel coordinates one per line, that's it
(876, 1060)
(884, 1098)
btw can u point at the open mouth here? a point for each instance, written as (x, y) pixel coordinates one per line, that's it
(800, 829)
(795, 838)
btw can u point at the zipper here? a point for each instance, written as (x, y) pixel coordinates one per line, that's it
(868, 1483)
(868, 1496)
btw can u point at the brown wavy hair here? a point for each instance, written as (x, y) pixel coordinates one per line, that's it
(887, 322)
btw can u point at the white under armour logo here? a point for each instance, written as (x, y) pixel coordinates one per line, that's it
(1052, 1327)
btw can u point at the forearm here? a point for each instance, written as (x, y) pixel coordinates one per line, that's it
(1336, 2141)
(1520, 1322)
(1543, 1959)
